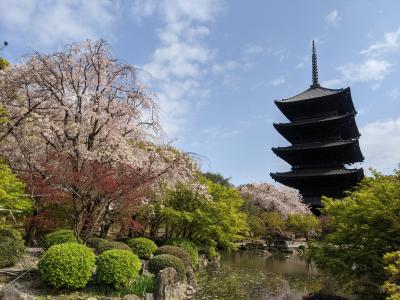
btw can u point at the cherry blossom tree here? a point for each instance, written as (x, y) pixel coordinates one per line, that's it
(270, 198)
(82, 130)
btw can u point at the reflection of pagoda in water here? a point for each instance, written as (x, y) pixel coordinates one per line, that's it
(324, 138)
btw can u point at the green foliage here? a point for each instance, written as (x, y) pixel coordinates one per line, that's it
(274, 223)
(189, 246)
(97, 244)
(3, 116)
(365, 225)
(59, 237)
(12, 193)
(11, 250)
(206, 217)
(159, 262)
(179, 252)
(142, 285)
(3, 63)
(142, 247)
(68, 265)
(218, 179)
(117, 267)
(100, 245)
(392, 268)
(8, 231)
(302, 225)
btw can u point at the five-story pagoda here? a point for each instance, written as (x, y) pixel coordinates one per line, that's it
(324, 138)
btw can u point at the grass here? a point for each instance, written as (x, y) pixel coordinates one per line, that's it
(142, 285)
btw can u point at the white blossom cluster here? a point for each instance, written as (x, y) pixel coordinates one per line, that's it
(82, 103)
(270, 198)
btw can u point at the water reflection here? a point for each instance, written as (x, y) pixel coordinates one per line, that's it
(246, 275)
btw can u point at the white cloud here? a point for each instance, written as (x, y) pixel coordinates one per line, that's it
(278, 81)
(303, 62)
(394, 93)
(217, 133)
(182, 58)
(227, 66)
(143, 8)
(252, 49)
(380, 143)
(48, 23)
(332, 17)
(332, 83)
(391, 43)
(369, 70)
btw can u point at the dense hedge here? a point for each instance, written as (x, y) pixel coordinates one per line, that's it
(67, 265)
(101, 245)
(176, 251)
(8, 231)
(11, 250)
(159, 262)
(117, 267)
(142, 247)
(190, 248)
(59, 237)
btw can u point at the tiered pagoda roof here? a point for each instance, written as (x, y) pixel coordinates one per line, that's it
(324, 138)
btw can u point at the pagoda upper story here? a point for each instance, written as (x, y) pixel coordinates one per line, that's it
(324, 138)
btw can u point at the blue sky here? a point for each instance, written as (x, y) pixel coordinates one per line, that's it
(217, 66)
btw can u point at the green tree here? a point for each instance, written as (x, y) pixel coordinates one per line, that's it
(302, 225)
(392, 269)
(13, 199)
(366, 225)
(207, 213)
(3, 63)
(218, 178)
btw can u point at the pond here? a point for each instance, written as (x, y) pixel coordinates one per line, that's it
(247, 275)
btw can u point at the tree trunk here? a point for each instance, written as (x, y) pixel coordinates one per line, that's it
(105, 227)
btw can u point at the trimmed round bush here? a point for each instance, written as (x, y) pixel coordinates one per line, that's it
(59, 237)
(142, 247)
(159, 262)
(8, 231)
(189, 246)
(11, 250)
(100, 245)
(176, 251)
(68, 265)
(117, 267)
(95, 243)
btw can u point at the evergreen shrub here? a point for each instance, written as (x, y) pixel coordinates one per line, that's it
(8, 231)
(117, 267)
(159, 262)
(189, 246)
(11, 250)
(59, 237)
(101, 245)
(142, 247)
(68, 265)
(176, 251)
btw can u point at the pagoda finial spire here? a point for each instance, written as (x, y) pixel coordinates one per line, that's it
(314, 67)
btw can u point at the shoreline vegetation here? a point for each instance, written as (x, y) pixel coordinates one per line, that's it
(93, 200)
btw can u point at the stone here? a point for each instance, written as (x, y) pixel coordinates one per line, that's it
(149, 296)
(11, 293)
(131, 297)
(168, 285)
(191, 278)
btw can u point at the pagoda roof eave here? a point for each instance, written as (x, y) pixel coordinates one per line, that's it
(312, 173)
(313, 93)
(314, 145)
(315, 120)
